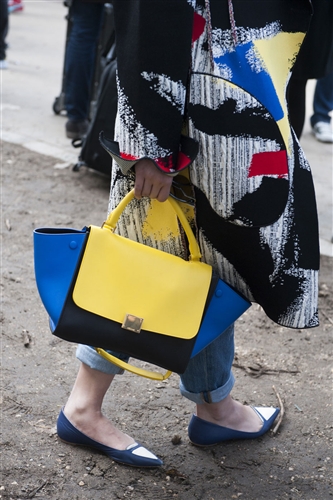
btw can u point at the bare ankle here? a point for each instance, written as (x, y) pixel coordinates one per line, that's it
(214, 412)
(231, 414)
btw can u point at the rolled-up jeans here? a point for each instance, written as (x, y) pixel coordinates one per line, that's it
(208, 376)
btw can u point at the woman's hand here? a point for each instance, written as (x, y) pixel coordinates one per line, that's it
(151, 182)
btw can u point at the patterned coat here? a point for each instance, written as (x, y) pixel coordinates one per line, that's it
(201, 91)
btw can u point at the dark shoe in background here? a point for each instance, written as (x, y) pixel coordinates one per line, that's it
(76, 130)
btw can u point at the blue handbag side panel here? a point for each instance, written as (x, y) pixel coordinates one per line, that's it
(225, 307)
(56, 254)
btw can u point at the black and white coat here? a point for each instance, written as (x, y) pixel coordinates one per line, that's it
(201, 91)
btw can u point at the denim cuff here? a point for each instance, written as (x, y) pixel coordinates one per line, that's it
(214, 396)
(90, 357)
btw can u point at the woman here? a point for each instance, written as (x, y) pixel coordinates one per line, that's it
(210, 74)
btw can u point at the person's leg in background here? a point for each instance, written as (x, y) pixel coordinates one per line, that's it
(3, 32)
(80, 63)
(322, 106)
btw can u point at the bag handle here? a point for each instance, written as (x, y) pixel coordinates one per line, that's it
(113, 217)
(133, 369)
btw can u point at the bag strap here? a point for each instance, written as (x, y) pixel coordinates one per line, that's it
(131, 368)
(113, 217)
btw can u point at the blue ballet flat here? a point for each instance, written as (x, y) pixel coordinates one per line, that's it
(203, 433)
(135, 454)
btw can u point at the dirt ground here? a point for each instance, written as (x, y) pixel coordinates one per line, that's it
(38, 371)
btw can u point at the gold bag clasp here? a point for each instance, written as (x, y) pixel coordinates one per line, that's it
(132, 323)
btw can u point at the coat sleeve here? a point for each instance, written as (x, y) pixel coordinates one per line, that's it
(153, 41)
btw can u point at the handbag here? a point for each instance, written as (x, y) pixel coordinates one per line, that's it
(113, 293)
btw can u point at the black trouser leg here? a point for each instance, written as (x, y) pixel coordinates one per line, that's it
(3, 28)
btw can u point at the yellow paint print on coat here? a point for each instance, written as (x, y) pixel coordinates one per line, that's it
(284, 47)
(161, 222)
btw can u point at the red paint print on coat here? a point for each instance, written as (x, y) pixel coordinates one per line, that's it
(198, 26)
(166, 164)
(269, 163)
(127, 156)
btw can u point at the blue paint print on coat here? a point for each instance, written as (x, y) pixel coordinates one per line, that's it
(245, 70)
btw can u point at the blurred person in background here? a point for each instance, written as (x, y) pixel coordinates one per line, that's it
(315, 61)
(321, 122)
(80, 62)
(3, 33)
(6, 7)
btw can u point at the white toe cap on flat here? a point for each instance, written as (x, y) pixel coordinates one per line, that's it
(265, 411)
(141, 451)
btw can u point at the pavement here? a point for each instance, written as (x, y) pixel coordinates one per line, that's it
(30, 85)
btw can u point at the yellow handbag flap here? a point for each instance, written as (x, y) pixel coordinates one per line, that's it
(126, 281)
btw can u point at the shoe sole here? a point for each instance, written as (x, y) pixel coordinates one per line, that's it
(204, 445)
(73, 135)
